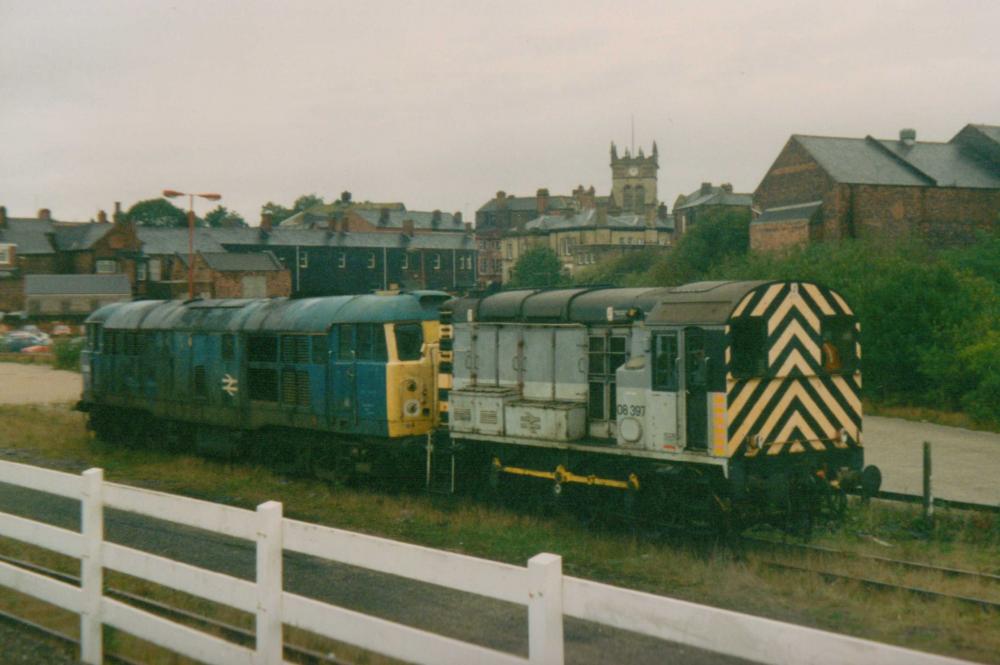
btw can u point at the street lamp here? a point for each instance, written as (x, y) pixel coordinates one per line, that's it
(172, 194)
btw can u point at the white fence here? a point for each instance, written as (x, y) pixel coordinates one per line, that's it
(541, 586)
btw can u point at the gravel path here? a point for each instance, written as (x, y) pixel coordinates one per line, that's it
(23, 646)
(38, 384)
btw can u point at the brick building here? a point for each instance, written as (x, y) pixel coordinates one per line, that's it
(230, 275)
(633, 195)
(586, 237)
(705, 200)
(823, 187)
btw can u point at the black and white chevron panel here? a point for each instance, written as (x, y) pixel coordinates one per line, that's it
(796, 405)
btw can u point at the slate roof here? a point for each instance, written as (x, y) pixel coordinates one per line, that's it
(588, 219)
(320, 216)
(43, 285)
(280, 237)
(873, 161)
(32, 236)
(715, 196)
(421, 219)
(522, 203)
(800, 211)
(76, 237)
(166, 241)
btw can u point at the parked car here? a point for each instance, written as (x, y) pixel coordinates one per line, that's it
(61, 330)
(38, 348)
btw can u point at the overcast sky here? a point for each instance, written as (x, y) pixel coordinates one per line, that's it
(441, 104)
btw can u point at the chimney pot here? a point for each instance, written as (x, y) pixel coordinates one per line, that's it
(45, 214)
(908, 136)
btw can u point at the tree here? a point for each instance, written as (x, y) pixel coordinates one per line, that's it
(307, 201)
(538, 267)
(222, 216)
(719, 235)
(156, 212)
(278, 212)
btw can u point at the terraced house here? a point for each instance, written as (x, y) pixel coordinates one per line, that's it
(825, 187)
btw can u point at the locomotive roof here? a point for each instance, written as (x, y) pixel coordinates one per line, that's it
(699, 302)
(302, 315)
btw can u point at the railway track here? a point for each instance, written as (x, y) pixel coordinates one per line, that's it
(828, 553)
(294, 653)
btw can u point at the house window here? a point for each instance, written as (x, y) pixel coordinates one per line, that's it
(371, 259)
(509, 247)
(5, 254)
(437, 261)
(342, 260)
(304, 260)
(140, 272)
(106, 266)
(155, 270)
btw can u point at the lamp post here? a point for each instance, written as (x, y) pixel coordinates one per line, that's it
(172, 194)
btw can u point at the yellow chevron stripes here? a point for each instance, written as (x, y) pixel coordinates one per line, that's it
(765, 302)
(796, 391)
(840, 301)
(792, 300)
(819, 299)
(743, 304)
(794, 330)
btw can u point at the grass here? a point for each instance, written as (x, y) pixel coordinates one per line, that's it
(55, 436)
(926, 414)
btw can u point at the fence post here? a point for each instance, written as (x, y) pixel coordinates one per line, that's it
(928, 490)
(269, 584)
(91, 570)
(545, 610)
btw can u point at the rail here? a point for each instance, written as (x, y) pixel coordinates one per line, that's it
(548, 594)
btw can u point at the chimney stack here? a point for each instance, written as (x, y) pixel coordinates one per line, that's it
(383, 216)
(102, 217)
(541, 201)
(457, 217)
(602, 214)
(3, 217)
(118, 210)
(408, 228)
(727, 187)
(468, 227)
(436, 218)
(908, 136)
(45, 215)
(706, 188)
(266, 222)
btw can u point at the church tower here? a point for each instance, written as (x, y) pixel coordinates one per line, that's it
(633, 180)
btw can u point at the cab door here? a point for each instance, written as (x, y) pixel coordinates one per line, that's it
(343, 396)
(696, 387)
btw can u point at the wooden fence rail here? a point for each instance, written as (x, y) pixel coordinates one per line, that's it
(541, 587)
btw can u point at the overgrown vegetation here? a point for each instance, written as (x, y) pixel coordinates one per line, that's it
(66, 354)
(538, 268)
(54, 436)
(930, 318)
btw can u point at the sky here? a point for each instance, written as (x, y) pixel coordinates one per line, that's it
(441, 104)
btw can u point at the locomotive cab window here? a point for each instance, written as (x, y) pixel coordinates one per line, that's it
(665, 362)
(839, 345)
(749, 346)
(409, 341)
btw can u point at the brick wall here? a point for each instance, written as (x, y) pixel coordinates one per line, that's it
(795, 177)
(773, 236)
(11, 294)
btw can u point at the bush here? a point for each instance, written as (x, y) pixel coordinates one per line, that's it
(67, 353)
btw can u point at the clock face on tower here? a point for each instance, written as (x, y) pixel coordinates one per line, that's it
(633, 171)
